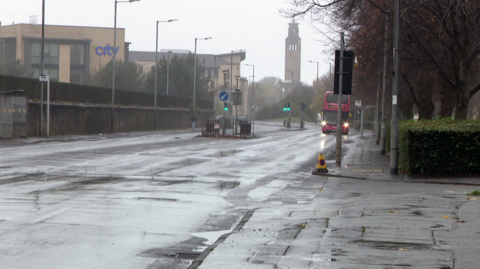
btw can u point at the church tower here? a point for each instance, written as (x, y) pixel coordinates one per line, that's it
(293, 52)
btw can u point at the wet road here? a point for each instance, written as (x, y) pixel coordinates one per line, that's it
(143, 200)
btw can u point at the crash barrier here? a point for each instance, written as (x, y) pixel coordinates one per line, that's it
(235, 128)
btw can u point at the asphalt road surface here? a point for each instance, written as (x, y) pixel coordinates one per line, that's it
(142, 200)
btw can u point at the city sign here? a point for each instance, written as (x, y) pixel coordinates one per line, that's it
(99, 50)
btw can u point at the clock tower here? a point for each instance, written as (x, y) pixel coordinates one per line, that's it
(293, 52)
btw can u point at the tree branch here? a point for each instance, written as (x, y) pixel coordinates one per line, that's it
(412, 91)
(474, 90)
(435, 60)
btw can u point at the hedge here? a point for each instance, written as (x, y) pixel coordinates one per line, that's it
(442, 146)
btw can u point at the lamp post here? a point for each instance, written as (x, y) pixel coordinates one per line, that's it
(253, 88)
(394, 124)
(156, 71)
(115, 53)
(319, 97)
(231, 66)
(168, 68)
(195, 70)
(41, 68)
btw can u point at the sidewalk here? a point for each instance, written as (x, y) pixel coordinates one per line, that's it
(361, 217)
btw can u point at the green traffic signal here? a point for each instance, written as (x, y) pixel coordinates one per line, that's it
(284, 109)
(226, 108)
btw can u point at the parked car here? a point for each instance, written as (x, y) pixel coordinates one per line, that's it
(241, 119)
(224, 121)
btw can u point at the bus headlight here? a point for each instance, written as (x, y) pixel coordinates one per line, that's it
(324, 123)
(345, 125)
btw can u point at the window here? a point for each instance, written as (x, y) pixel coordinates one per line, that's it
(330, 117)
(50, 53)
(206, 72)
(53, 72)
(332, 98)
(77, 55)
(76, 76)
(36, 53)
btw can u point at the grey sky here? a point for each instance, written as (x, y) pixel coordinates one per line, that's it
(254, 25)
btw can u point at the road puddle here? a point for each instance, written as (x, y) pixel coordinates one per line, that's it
(229, 184)
(225, 153)
(156, 199)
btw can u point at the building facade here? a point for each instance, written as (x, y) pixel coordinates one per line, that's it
(70, 52)
(223, 69)
(293, 55)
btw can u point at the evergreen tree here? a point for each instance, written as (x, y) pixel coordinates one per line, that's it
(14, 68)
(127, 76)
(180, 77)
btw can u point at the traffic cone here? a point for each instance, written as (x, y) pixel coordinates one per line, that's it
(321, 165)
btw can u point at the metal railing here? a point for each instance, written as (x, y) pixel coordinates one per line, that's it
(216, 128)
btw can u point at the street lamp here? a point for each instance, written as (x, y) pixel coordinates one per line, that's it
(115, 53)
(195, 70)
(168, 68)
(156, 71)
(231, 66)
(253, 88)
(317, 82)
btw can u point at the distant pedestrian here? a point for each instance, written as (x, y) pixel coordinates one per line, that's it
(194, 120)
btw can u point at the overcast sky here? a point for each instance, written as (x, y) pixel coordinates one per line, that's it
(254, 25)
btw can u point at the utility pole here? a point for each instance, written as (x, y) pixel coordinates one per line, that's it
(394, 129)
(383, 124)
(41, 68)
(339, 116)
(377, 111)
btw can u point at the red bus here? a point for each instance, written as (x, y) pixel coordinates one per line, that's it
(330, 112)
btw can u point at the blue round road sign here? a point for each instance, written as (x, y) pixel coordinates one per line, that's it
(224, 96)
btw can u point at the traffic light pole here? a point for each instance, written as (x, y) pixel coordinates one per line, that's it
(339, 116)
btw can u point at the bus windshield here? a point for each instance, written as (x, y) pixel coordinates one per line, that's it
(332, 98)
(330, 117)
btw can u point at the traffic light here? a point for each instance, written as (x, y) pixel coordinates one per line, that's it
(303, 106)
(285, 107)
(225, 105)
(288, 106)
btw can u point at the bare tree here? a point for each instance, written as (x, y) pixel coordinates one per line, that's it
(444, 32)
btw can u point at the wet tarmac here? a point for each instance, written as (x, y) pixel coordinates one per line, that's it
(143, 200)
(174, 200)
